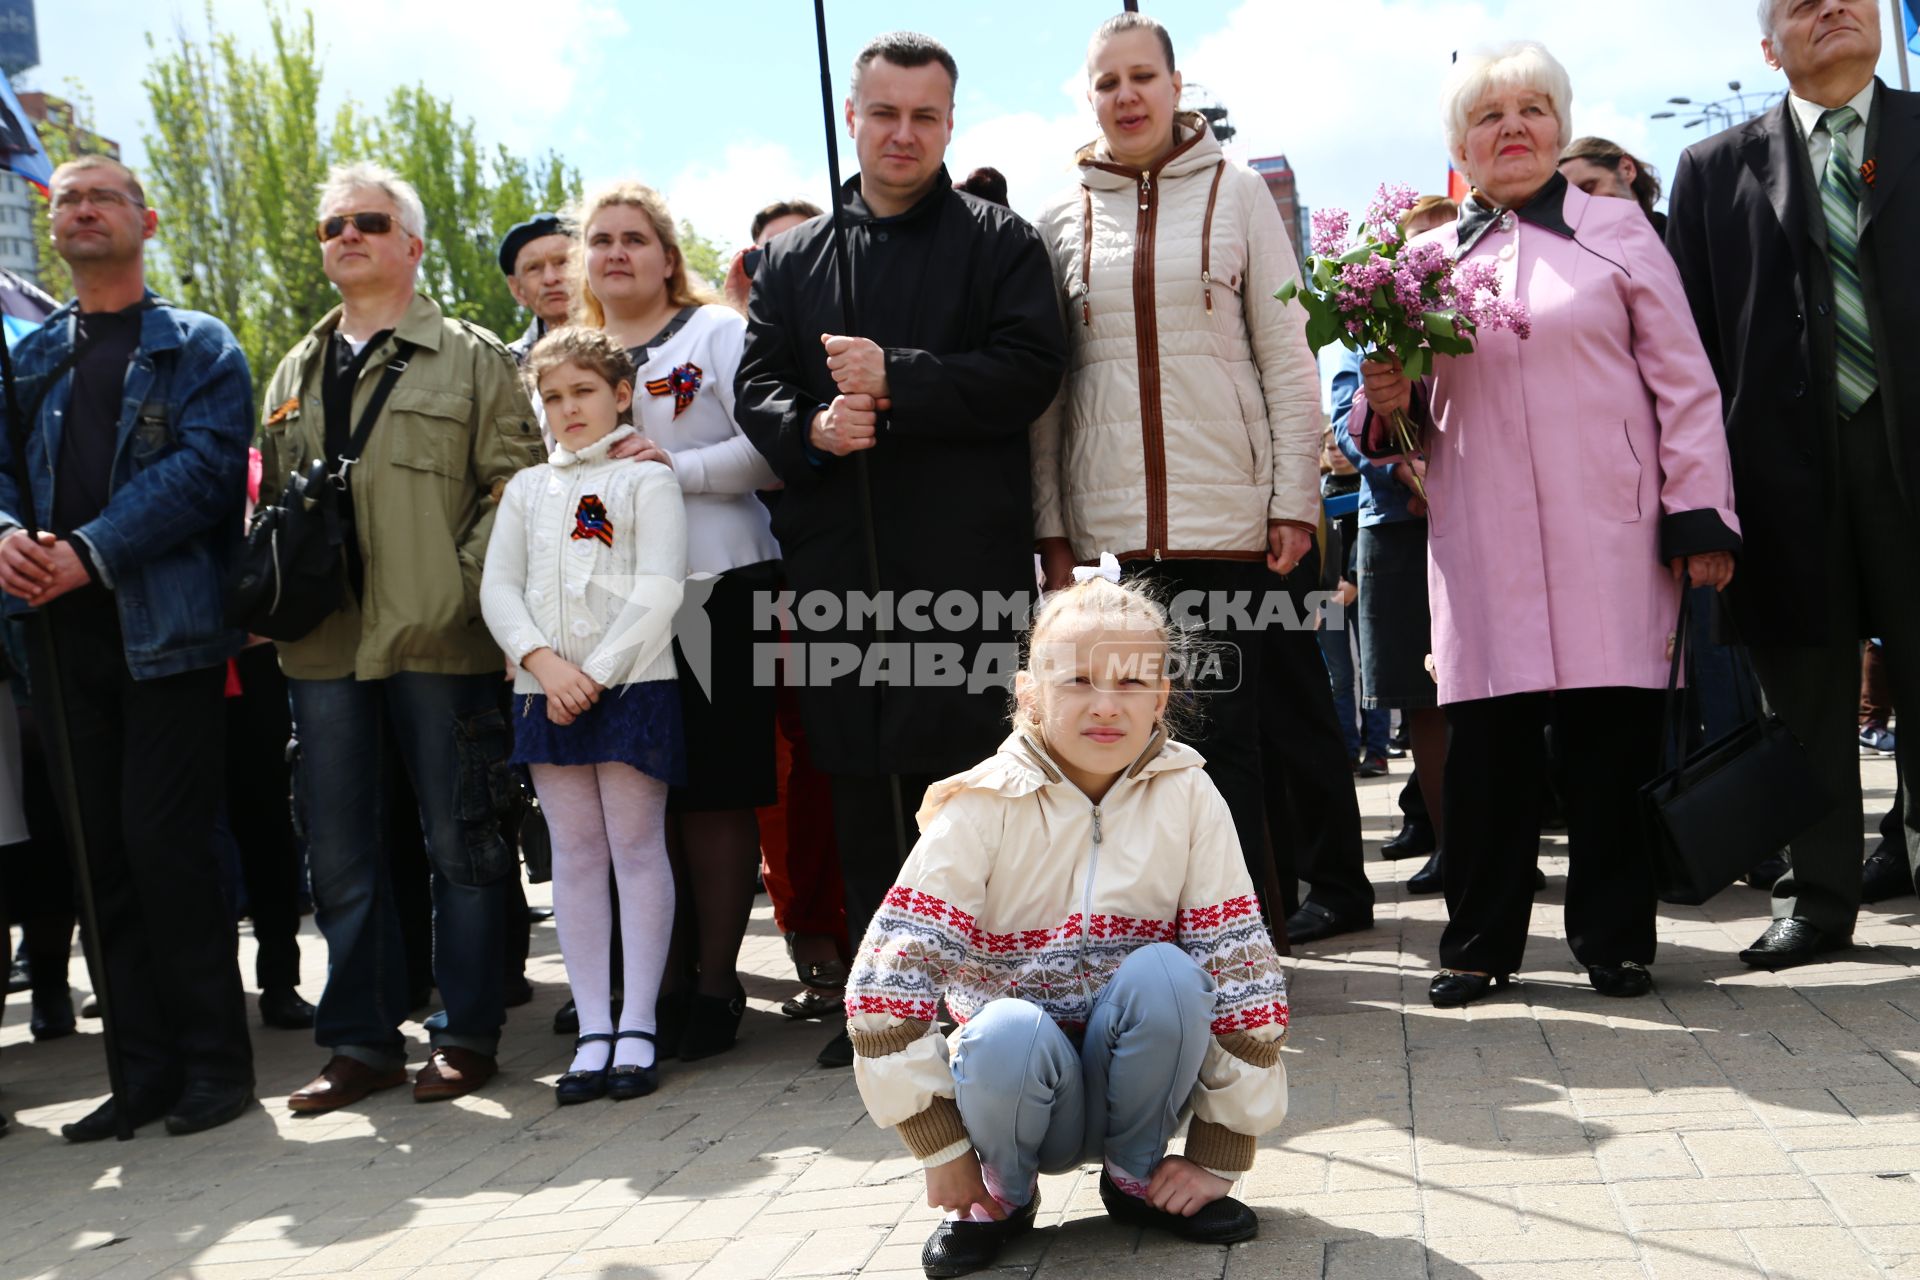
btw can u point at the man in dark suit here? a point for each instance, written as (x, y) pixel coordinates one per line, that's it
(1795, 235)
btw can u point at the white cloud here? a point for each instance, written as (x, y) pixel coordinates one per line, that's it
(720, 196)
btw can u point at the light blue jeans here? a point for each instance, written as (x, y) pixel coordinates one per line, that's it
(1034, 1102)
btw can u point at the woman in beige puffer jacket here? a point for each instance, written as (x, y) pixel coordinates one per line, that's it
(1186, 436)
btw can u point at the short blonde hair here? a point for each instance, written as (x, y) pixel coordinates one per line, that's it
(681, 289)
(365, 175)
(1524, 64)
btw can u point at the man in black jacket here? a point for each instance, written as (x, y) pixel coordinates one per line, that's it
(1794, 235)
(957, 347)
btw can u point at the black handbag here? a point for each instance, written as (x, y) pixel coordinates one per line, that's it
(1711, 816)
(290, 575)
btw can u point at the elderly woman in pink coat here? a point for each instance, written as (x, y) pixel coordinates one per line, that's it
(1574, 476)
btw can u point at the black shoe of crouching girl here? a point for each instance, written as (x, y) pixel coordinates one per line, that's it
(624, 1082)
(1224, 1221)
(961, 1246)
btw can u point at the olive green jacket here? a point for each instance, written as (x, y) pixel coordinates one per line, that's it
(456, 427)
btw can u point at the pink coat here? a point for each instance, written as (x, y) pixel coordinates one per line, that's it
(1565, 469)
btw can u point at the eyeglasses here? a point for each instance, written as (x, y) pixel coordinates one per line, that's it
(71, 198)
(367, 224)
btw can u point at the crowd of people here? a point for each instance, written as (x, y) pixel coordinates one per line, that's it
(964, 577)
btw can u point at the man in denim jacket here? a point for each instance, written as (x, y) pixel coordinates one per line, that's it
(137, 456)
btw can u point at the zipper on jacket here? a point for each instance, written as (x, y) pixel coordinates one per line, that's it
(1086, 910)
(1153, 445)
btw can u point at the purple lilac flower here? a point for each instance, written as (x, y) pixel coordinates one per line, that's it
(1390, 204)
(1364, 277)
(1329, 238)
(1510, 314)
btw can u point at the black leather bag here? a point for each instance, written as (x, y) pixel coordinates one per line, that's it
(1711, 816)
(290, 575)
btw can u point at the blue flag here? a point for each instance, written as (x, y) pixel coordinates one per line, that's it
(20, 149)
(1910, 14)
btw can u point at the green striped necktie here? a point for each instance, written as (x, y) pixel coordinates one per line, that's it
(1840, 202)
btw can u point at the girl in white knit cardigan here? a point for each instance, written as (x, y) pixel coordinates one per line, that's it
(582, 579)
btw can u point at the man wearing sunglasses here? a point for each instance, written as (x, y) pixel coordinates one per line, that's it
(137, 458)
(406, 659)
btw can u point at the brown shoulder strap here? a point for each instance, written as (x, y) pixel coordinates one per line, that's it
(1086, 255)
(1206, 237)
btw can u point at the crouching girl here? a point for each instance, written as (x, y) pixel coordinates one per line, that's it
(1081, 902)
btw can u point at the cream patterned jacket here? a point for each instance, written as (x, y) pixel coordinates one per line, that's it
(1021, 887)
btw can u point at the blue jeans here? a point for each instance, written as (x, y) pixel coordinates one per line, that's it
(454, 745)
(1365, 729)
(1034, 1102)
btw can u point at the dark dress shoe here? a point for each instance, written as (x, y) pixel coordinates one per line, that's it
(1222, 1221)
(1451, 989)
(102, 1122)
(452, 1072)
(1763, 873)
(284, 1010)
(962, 1246)
(1627, 979)
(625, 1083)
(516, 991)
(1791, 942)
(838, 1051)
(566, 1020)
(341, 1083)
(1428, 879)
(1414, 840)
(575, 1087)
(208, 1104)
(52, 1014)
(713, 1024)
(1885, 875)
(1371, 767)
(1313, 922)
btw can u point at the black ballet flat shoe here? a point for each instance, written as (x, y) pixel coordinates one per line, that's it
(962, 1246)
(1450, 989)
(1627, 979)
(1223, 1221)
(584, 1086)
(627, 1082)
(713, 1023)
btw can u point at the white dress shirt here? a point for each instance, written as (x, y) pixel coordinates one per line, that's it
(1819, 145)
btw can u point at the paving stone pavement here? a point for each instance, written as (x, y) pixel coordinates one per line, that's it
(1733, 1124)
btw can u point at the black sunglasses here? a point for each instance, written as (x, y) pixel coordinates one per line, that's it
(368, 224)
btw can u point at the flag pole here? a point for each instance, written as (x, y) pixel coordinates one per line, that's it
(850, 325)
(50, 702)
(1900, 8)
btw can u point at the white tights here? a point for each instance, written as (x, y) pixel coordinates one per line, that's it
(609, 815)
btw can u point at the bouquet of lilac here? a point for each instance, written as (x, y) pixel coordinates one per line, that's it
(1373, 292)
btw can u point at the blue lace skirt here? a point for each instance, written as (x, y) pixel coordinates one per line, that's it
(634, 724)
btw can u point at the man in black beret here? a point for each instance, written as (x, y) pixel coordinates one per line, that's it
(534, 257)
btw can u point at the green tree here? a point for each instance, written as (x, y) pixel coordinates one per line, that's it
(705, 259)
(232, 165)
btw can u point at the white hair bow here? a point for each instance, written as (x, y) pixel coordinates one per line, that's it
(1108, 568)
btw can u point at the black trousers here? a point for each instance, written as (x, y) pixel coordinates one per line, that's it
(260, 814)
(1608, 741)
(870, 841)
(148, 769)
(1224, 723)
(1312, 809)
(1873, 589)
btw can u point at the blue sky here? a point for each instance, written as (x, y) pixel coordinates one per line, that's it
(717, 103)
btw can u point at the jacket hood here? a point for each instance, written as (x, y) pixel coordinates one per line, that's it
(1194, 148)
(595, 452)
(1022, 766)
